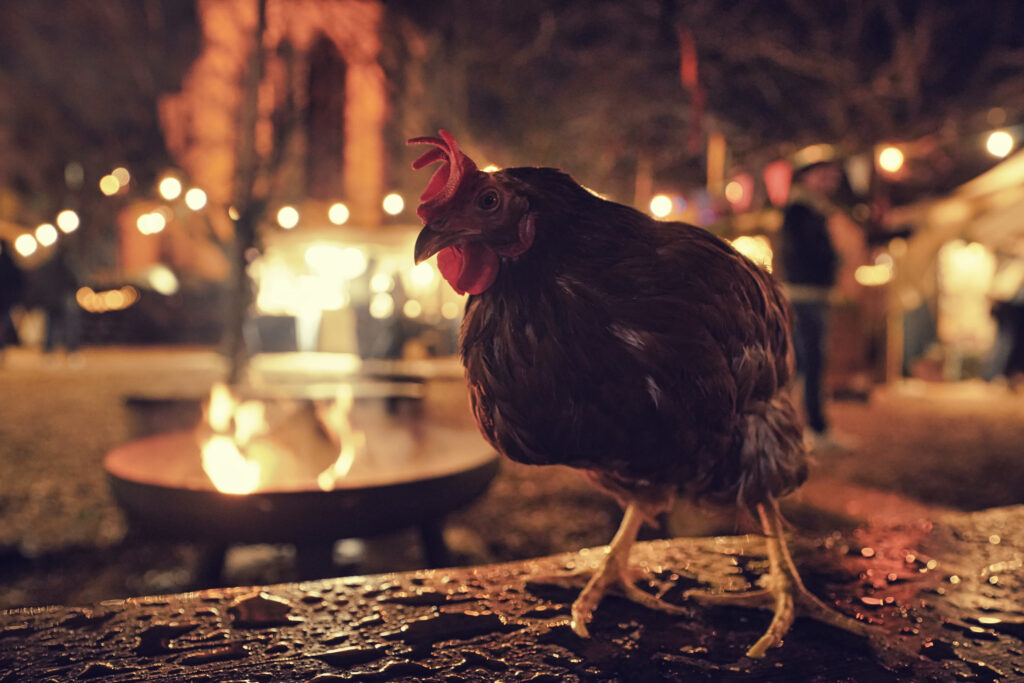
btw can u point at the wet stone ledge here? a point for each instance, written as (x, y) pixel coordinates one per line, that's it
(944, 597)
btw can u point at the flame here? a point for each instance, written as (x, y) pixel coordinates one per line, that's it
(224, 459)
(352, 441)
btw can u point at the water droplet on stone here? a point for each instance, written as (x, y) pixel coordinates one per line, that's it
(219, 654)
(259, 610)
(156, 639)
(448, 625)
(350, 656)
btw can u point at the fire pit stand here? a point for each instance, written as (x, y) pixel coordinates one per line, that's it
(155, 481)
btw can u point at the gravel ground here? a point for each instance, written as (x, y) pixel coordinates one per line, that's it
(63, 539)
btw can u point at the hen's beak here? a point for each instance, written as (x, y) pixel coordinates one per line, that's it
(434, 237)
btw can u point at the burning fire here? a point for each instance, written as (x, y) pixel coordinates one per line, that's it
(243, 450)
(224, 460)
(352, 440)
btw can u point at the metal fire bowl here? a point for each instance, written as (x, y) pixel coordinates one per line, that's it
(155, 481)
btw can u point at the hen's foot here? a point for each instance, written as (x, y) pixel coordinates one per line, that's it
(783, 592)
(613, 574)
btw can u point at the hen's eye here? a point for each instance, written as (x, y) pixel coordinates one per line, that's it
(488, 200)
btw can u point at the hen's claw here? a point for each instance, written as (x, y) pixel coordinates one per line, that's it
(613, 574)
(784, 591)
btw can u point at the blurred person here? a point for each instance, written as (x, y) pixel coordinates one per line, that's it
(1007, 356)
(811, 264)
(12, 288)
(53, 288)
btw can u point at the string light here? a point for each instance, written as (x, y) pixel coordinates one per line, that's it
(393, 204)
(661, 206)
(46, 235)
(26, 244)
(68, 221)
(109, 185)
(338, 213)
(890, 159)
(195, 199)
(170, 188)
(999, 143)
(288, 217)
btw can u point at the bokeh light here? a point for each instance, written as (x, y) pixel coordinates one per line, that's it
(422, 275)
(169, 188)
(26, 244)
(393, 204)
(661, 205)
(46, 235)
(382, 306)
(109, 185)
(412, 308)
(195, 199)
(890, 159)
(338, 213)
(122, 176)
(288, 217)
(999, 143)
(68, 221)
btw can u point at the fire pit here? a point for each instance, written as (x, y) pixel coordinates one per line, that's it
(356, 467)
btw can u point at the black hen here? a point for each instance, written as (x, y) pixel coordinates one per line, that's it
(651, 355)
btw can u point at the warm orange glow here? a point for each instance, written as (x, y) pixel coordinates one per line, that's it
(999, 143)
(151, 223)
(352, 440)
(661, 206)
(67, 221)
(734, 191)
(890, 159)
(110, 300)
(46, 235)
(234, 425)
(170, 188)
(338, 213)
(195, 199)
(109, 185)
(757, 248)
(26, 245)
(393, 204)
(288, 217)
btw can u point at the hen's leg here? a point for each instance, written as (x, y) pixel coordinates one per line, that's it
(614, 570)
(784, 591)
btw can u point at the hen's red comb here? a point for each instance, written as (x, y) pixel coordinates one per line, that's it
(443, 185)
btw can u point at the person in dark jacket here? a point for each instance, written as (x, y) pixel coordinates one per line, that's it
(810, 264)
(12, 288)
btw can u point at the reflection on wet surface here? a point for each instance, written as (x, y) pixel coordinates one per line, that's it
(929, 591)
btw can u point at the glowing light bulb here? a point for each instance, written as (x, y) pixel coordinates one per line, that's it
(999, 143)
(890, 159)
(393, 204)
(288, 217)
(67, 221)
(26, 244)
(169, 188)
(109, 185)
(195, 199)
(661, 206)
(46, 235)
(734, 191)
(338, 213)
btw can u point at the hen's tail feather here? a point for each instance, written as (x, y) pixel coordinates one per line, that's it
(773, 457)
